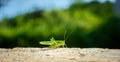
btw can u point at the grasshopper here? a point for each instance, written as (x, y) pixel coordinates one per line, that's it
(54, 43)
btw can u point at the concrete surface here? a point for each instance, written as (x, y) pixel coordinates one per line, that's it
(59, 55)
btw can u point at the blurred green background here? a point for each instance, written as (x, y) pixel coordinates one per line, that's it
(85, 25)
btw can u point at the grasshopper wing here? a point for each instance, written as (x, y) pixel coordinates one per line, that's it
(46, 43)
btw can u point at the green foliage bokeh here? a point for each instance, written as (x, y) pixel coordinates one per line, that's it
(83, 25)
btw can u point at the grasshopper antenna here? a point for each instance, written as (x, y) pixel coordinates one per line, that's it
(65, 33)
(66, 36)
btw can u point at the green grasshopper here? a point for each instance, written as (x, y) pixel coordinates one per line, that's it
(54, 43)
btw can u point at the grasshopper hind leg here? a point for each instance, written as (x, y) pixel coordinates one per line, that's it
(64, 46)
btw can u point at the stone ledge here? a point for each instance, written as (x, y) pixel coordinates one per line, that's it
(59, 55)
